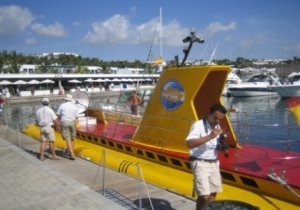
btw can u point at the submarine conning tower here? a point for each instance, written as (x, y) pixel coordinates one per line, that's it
(181, 96)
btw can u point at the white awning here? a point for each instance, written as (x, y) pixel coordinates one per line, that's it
(74, 81)
(47, 81)
(20, 82)
(89, 80)
(33, 82)
(5, 82)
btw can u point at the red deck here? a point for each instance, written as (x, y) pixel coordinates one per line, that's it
(249, 160)
(259, 161)
(115, 131)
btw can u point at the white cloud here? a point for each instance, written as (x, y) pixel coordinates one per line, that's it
(76, 23)
(174, 33)
(56, 29)
(217, 27)
(295, 48)
(14, 19)
(227, 38)
(133, 11)
(112, 30)
(30, 41)
(247, 43)
(118, 29)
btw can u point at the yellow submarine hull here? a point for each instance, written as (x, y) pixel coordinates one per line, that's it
(174, 180)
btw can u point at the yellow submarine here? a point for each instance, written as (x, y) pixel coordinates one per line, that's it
(156, 142)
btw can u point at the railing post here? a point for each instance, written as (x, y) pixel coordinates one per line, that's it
(139, 185)
(289, 134)
(103, 171)
(18, 137)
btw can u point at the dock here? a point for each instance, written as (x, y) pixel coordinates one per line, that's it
(28, 183)
(53, 98)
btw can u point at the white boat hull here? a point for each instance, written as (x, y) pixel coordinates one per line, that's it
(249, 91)
(287, 91)
(257, 85)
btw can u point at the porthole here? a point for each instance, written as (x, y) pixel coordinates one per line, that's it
(249, 182)
(176, 162)
(162, 158)
(150, 155)
(119, 146)
(139, 152)
(227, 176)
(111, 144)
(128, 149)
(188, 165)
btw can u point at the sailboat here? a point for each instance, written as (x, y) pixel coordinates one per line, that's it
(255, 177)
(159, 61)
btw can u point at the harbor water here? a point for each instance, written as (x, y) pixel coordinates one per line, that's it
(263, 121)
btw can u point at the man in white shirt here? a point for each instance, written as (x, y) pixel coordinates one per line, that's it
(202, 142)
(68, 113)
(45, 118)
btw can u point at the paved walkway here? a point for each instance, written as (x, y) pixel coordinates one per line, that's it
(28, 183)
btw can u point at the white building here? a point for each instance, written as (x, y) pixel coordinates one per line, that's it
(28, 68)
(116, 70)
(94, 69)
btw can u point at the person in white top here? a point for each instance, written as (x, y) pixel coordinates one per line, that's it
(202, 141)
(68, 113)
(45, 118)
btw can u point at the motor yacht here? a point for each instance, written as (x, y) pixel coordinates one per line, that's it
(256, 85)
(290, 87)
(232, 78)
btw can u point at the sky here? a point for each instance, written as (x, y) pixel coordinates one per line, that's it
(130, 29)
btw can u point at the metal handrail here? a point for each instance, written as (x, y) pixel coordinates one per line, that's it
(239, 121)
(241, 127)
(140, 177)
(282, 181)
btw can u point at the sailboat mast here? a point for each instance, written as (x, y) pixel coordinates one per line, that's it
(160, 31)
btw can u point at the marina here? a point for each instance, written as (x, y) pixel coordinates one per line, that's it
(118, 134)
(149, 129)
(269, 111)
